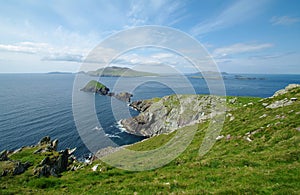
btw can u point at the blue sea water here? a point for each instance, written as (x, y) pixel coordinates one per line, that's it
(36, 105)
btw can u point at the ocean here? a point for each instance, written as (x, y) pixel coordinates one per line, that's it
(36, 105)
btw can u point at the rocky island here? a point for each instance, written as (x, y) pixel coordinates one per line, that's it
(99, 88)
(96, 87)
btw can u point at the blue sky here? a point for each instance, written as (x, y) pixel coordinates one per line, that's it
(242, 36)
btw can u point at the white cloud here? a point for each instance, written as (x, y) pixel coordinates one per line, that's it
(45, 51)
(239, 48)
(236, 13)
(284, 20)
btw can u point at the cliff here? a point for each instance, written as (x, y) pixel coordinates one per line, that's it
(169, 113)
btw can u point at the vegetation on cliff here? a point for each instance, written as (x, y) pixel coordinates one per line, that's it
(257, 152)
(95, 87)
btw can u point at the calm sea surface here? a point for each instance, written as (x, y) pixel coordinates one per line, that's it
(36, 105)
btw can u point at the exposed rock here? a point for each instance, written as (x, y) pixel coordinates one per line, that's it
(123, 96)
(54, 144)
(62, 162)
(71, 151)
(293, 99)
(20, 168)
(95, 167)
(38, 151)
(298, 128)
(44, 140)
(141, 105)
(263, 116)
(3, 155)
(284, 91)
(280, 103)
(265, 104)
(45, 161)
(18, 150)
(233, 100)
(248, 139)
(170, 113)
(220, 137)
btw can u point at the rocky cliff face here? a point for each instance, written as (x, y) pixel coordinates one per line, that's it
(169, 113)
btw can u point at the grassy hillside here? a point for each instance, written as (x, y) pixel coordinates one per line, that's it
(118, 72)
(259, 154)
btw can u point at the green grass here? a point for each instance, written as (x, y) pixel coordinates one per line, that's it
(94, 84)
(267, 165)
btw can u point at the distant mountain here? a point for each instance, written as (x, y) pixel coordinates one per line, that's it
(59, 73)
(118, 72)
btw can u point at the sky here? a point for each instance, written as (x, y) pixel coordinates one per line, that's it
(242, 36)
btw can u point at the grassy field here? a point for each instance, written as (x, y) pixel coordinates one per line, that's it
(267, 164)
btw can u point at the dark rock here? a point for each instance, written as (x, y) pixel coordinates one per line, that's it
(18, 169)
(111, 94)
(45, 140)
(45, 161)
(123, 96)
(62, 162)
(3, 155)
(54, 172)
(27, 165)
(44, 171)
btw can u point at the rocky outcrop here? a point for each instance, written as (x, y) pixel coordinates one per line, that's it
(141, 105)
(285, 90)
(53, 164)
(280, 100)
(169, 113)
(123, 96)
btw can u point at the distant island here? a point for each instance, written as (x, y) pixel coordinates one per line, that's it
(59, 72)
(115, 71)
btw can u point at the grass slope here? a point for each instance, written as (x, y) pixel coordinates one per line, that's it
(269, 164)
